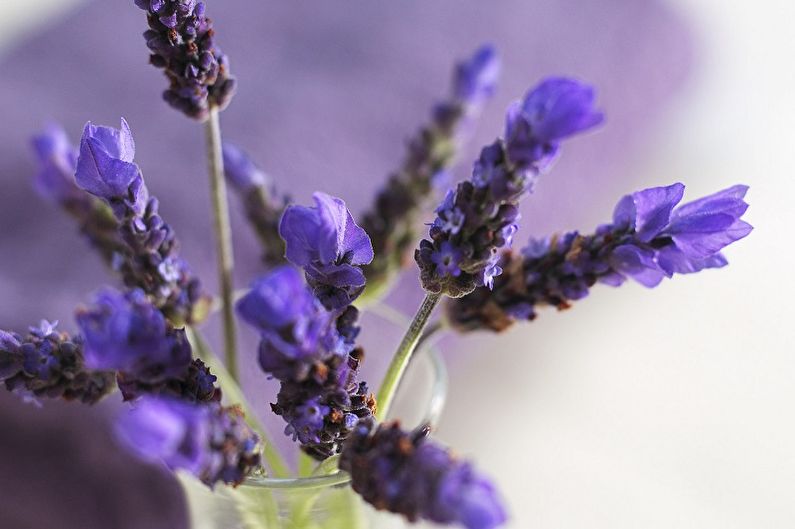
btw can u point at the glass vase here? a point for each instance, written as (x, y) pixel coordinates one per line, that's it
(320, 502)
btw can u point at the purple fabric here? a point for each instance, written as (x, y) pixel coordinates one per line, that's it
(326, 97)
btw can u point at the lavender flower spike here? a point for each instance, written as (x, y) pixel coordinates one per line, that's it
(182, 42)
(312, 353)
(48, 363)
(126, 333)
(209, 441)
(331, 248)
(55, 182)
(478, 219)
(392, 221)
(262, 210)
(649, 239)
(405, 473)
(150, 260)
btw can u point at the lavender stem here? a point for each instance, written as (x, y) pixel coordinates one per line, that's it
(403, 354)
(223, 237)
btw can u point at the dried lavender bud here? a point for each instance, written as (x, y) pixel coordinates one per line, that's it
(326, 242)
(49, 364)
(478, 219)
(57, 159)
(312, 352)
(262, 210)
(647, 241)
(405, 473)
(207, 440)
(128, 334)
(392, 221)
(181, 39)
(151, 259)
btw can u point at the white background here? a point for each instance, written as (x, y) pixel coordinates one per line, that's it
(674, 408)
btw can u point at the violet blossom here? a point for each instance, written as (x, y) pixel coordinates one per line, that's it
(392, 221)
(649, 239)
(209, 441)
(151, 262)
(405, 473)
(331, 248)
(182, 42)
(477, 220)
(50, 364)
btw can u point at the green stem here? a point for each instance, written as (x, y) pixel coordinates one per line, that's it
(400, 361)
(223, 237)
(233, 394)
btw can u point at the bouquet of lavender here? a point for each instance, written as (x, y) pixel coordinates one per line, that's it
(185, 408)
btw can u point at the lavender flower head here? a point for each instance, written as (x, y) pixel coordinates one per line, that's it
(150, 261)
(477, 220)
(211, 442)
(330, 247)
(403, 472)
(181, 39)
(124, 332)
(48, 363)
(649, 239)
(311, 351)
(392, 222)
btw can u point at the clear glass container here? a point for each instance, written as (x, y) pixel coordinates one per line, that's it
(322, 502)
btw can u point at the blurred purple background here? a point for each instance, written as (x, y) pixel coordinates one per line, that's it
(327, 97)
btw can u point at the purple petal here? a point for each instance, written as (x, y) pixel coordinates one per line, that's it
(674, 261)
(240, 170)
(332, 226)
(704, 244)
(356, 245)
(638, 263)
(653, 208)
(299, 228)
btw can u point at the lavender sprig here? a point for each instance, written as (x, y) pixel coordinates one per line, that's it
(405, 473)
(312, 353)
(126, 333)
(209, 441)
(326, 242)
(478, 219)
(48, 363)
(261, 207)
(182, 42)
(392, 221)
(647, 241)
(54, 181)
(151, 260)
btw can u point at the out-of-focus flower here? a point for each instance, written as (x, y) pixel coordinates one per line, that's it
(207, 440)
(124, 332)
(262, 210)
(182, 42)
(393, 220)
(404, 472)
(326, 242)
(649, 239)
(49, 364)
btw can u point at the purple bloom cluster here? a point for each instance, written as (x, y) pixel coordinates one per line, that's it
(209, 441)
(126, 333)
(150, 260)
(478, 219)
(392, 221)
(326, 242)
(649, 239)
(57, 159)
(48, 363)
(405, 473)
(262, 210)
(182, 42)
(311, 352)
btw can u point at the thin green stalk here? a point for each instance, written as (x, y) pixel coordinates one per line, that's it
(223, 237)
(400, 361)
(233, 394)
